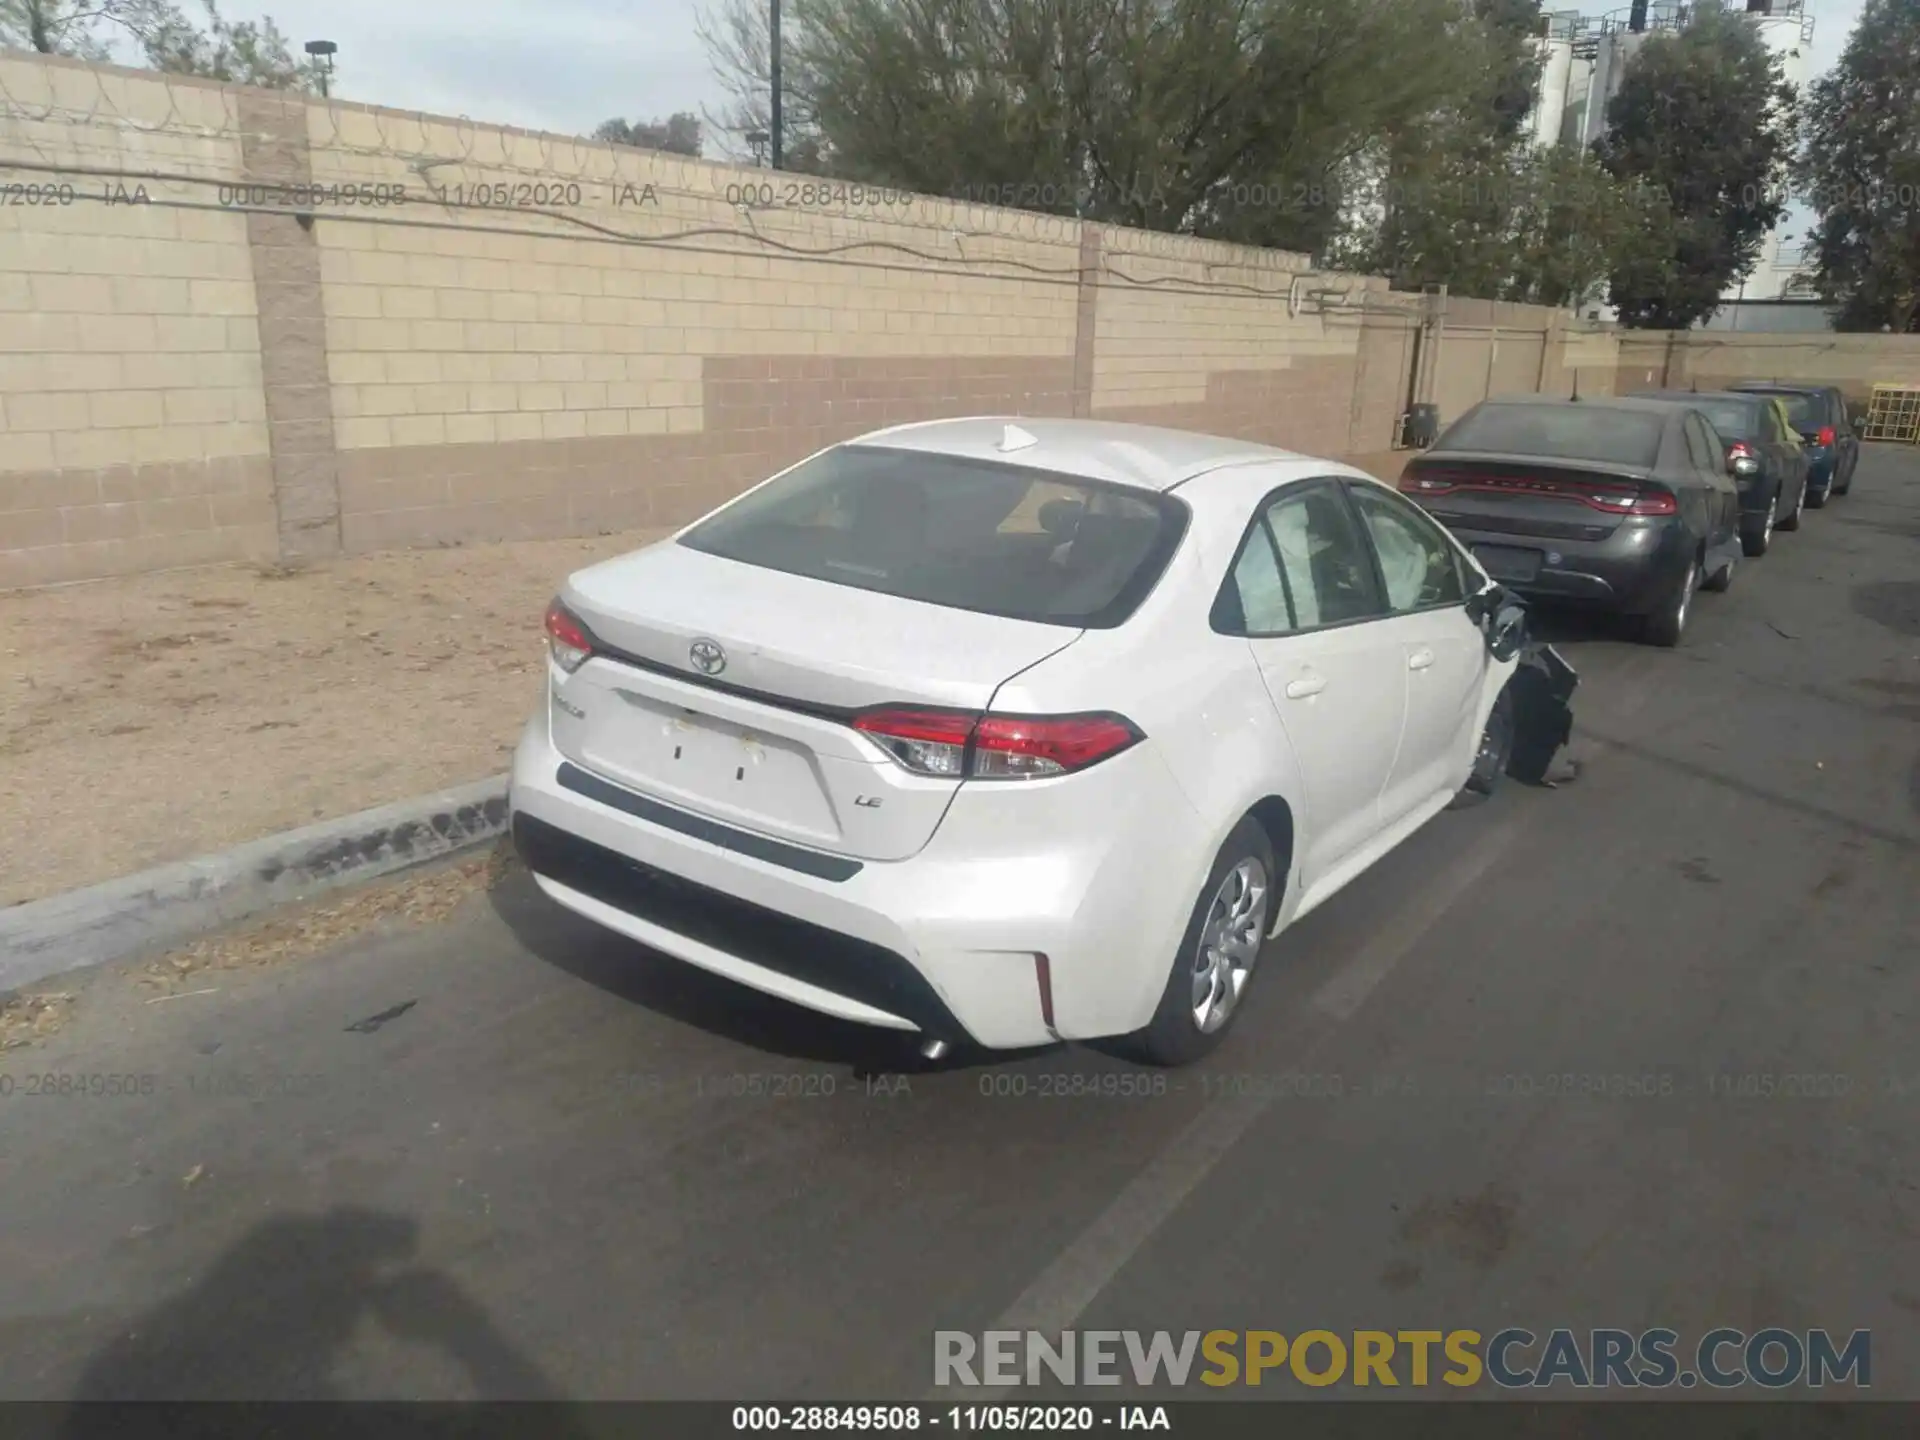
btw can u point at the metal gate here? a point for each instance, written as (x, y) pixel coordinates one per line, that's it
(1894, 414)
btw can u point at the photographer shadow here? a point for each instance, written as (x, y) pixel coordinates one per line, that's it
(269, 1322)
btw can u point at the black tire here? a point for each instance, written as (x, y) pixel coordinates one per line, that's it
(1666, 625)
(1491, 759)
(1174, 1036)
(1721, 580)
(1844, 489)
(1817, 499)
(1756, 535)
(1792, 522)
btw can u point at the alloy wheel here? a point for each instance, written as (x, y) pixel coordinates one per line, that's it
(1230, 941)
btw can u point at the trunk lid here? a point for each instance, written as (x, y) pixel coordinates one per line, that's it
(762, 741)
(1524, 495)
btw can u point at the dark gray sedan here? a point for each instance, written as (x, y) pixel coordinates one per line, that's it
(1767, 460)
(1627, 505)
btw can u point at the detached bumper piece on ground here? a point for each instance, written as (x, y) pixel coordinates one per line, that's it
(1542, 686)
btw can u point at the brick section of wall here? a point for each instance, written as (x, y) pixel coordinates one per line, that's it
(762, 413)
(1303, 407)
(293, 333)
(83, 524)
(130, 409)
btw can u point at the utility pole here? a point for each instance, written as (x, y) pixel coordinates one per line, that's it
(773, 49)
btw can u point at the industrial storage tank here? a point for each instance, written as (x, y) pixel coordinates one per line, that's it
(1556, 73)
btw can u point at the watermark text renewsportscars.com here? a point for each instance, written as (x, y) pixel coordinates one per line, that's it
(1509, 1359)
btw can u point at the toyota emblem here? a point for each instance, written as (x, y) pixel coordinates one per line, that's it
(707, 656)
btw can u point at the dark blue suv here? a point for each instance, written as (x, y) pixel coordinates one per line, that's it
(1819, 413)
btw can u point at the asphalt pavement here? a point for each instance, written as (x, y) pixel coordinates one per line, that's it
(561, 1165)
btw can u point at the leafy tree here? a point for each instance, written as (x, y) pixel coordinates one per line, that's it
(69, 27)
(678, 134)
(242, 52)
(1544, 226)
(1442, 190)
(1510, 29)
(1860, 170)
(1228, 118)
(1705, 118)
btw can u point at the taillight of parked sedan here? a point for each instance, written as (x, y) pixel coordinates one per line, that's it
(567, 639)
(962, 745)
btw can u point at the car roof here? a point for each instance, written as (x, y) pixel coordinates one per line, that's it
(1783, 387)
(1681, 397)
(1147, 457)
(1597, 402)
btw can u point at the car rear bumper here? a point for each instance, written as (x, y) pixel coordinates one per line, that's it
(1629, 571)
(943, 944)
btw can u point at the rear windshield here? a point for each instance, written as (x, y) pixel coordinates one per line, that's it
(969, 534)
(1734, 417)
(1806, 412)
(1560, 432)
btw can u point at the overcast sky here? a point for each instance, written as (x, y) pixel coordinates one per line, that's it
(566, 65)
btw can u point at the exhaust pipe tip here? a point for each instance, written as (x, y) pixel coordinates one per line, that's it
(935, 1049)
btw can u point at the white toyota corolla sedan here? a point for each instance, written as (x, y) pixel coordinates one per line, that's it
(1009, 731)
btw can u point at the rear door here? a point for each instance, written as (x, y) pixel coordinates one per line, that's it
(1334, 665)
(1445, 654)
(1792, 452)
(1719, 521)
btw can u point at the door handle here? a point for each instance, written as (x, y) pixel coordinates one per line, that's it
(1420, 660)
(1308, 685)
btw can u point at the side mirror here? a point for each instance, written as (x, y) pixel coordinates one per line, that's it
(1507, 632)
(1485, 602)
(1502, 620)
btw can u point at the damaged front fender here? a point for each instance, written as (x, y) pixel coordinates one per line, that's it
(1540, 689)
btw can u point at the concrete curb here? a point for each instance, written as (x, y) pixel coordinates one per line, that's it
(174, 903)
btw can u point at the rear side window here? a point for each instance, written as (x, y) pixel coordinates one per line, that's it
(1560, 432)
(969, 534)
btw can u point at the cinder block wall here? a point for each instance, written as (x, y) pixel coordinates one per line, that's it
(474, 333)
(132, 422)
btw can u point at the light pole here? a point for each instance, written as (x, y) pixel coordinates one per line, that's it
(773, 66)
(323, 52)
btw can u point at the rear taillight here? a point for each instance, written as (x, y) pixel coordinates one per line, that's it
(1744, 458)
(1655, 502)
(567, 638)
(927, 742)
(960, 745)
(1414, 483)
(1825, 437)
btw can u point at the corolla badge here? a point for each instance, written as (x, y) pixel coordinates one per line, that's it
(707, 657)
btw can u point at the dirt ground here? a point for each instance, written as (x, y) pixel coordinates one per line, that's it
(160, 717)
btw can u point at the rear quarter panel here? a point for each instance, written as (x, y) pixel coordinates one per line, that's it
(1196, 695)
